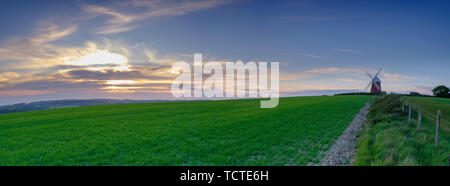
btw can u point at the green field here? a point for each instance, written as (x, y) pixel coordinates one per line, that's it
(231, 132)
(430, 106)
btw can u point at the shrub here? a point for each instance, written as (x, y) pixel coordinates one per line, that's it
(385, 108)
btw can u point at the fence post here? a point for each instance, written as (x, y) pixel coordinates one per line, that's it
(409, 114)
(419, 118)
(438, 123)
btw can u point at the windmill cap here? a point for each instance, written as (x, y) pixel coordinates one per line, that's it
(376, 79)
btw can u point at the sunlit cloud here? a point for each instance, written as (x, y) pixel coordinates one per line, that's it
(53, 68)
(67, 56)
(52, 32)
(36, 51)
(6, 76)
(395, 77)
(118, 88)
(423, 89)
(24, 92)
(120, 82)
(136, 89)
(99, 58)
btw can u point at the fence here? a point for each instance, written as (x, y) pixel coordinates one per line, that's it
(427, 114)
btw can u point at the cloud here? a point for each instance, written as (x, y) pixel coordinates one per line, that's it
(136, 72)
(51, 32)
(36, 51)
(352, 80)
(122, 15)
(332, 70)
(24, 92)
(395, 77)
(343, 78)
(31, 66)
(423, 89)
(108, 81)
(349, 51)
(112, 29)
(36, 65)
(6, 76)
(320, 72)
(103, 75)
(308, 55)
(100, 57)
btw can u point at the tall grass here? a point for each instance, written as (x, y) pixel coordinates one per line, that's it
(389, 139)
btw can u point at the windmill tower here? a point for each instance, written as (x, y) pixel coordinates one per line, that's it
(374, 83)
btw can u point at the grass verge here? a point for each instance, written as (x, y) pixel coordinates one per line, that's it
(390, 140)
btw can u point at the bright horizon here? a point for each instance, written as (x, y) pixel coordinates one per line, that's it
(53, 50)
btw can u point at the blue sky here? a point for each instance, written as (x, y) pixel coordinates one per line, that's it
(323, 46)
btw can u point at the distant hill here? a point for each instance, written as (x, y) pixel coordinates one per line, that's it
(356, 93)
(43, 105)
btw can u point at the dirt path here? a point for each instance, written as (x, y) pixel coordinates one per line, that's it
(343, 150)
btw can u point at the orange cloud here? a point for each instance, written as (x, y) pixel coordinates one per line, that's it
(24, 92)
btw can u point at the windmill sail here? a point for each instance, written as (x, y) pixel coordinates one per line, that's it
(375, 82)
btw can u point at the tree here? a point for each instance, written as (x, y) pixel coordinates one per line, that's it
(415, 94)
(441, 91)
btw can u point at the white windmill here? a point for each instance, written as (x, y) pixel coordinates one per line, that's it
(374, 82)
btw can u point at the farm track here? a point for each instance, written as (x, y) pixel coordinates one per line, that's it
(343, 150)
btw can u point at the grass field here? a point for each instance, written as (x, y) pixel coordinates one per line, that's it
(389, 139)
(231, 132)
(430, 106)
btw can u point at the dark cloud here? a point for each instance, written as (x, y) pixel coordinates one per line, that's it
(104, 75)
(139, 72)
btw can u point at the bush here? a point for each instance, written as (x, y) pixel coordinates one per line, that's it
(384, 108)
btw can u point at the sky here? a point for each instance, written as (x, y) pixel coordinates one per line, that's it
(82, 49)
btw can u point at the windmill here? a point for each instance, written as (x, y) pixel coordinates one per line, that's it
(375, 82)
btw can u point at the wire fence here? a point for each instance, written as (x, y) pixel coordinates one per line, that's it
(434, 118)
(426, 113)
(430, 115)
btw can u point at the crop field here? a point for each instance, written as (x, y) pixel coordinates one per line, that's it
(230, 132)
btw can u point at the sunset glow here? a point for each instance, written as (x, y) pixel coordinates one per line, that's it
(120, 82)
(100, 58)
